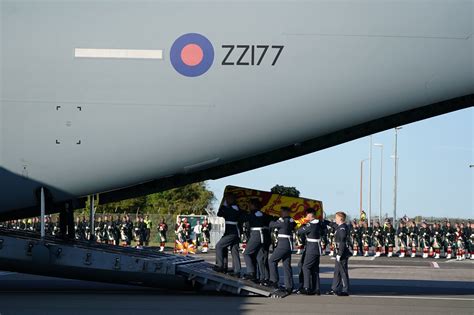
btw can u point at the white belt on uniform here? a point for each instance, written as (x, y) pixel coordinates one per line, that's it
(236, 226)
(289, 239)
(315, 240)
(260, 229)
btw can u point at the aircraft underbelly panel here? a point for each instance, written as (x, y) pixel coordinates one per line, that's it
(83, 125)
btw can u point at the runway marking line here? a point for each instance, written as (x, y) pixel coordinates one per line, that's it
(413, 297)
(435, 264)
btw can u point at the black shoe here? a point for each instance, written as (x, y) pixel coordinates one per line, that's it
(271, 284)
(317, 292)
(249, 276)
(304, 291)
(219, 269)
(234, 274)
(343, 294)
(332, 292)
(285, 291)
(265, 283)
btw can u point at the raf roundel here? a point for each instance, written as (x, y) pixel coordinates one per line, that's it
(192, 55)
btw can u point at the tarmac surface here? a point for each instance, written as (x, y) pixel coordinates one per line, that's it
(378, 285)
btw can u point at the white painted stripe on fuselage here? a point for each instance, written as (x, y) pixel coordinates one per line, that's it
(118, 53)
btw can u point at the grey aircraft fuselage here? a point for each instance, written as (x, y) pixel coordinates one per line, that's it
(101, 95)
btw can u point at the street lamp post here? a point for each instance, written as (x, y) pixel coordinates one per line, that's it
(370, 183)
(380, 184)
(361, 181)
(395, 177)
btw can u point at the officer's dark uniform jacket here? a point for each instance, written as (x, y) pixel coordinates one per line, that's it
(285, 228)
(402, 233)
(283, 250)
(232, 217)
(258, 224)
(312, 232)
(341, 276)
(340, 237)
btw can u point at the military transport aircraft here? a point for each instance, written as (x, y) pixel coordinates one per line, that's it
(126, 98)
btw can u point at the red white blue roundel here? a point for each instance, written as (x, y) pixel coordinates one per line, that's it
(192, 54)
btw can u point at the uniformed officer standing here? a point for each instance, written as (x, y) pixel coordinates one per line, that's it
(340, 283)
(258, 222)
(389, 238)
(162, 230)
(424, 237)
(471, 241)
(206, 235)
(312, 232)
(402, 233)
(148, 227)
(355, 238)
(448, 239)
(413, 238)
(232, 215)
(437, 240)
(366, 233)
(377, 238)
(285, 225)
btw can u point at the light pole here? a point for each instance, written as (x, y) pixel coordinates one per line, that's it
(370, 182)
(381, 172)
(395, 177)
(361, 181)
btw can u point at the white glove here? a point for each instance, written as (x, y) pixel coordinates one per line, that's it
(338, 258)
(281, 220)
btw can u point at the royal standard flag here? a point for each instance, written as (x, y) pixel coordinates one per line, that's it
(272, 203)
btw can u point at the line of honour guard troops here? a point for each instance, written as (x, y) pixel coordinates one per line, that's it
(261, 267)
(429, 240)
(107, 229)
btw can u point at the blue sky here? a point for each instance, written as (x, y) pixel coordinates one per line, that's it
(434, 178)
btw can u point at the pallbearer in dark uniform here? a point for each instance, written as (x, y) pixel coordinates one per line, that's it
(285, 226)
(257, 221)
(232, 215)
(340, 283)
(312, 232)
